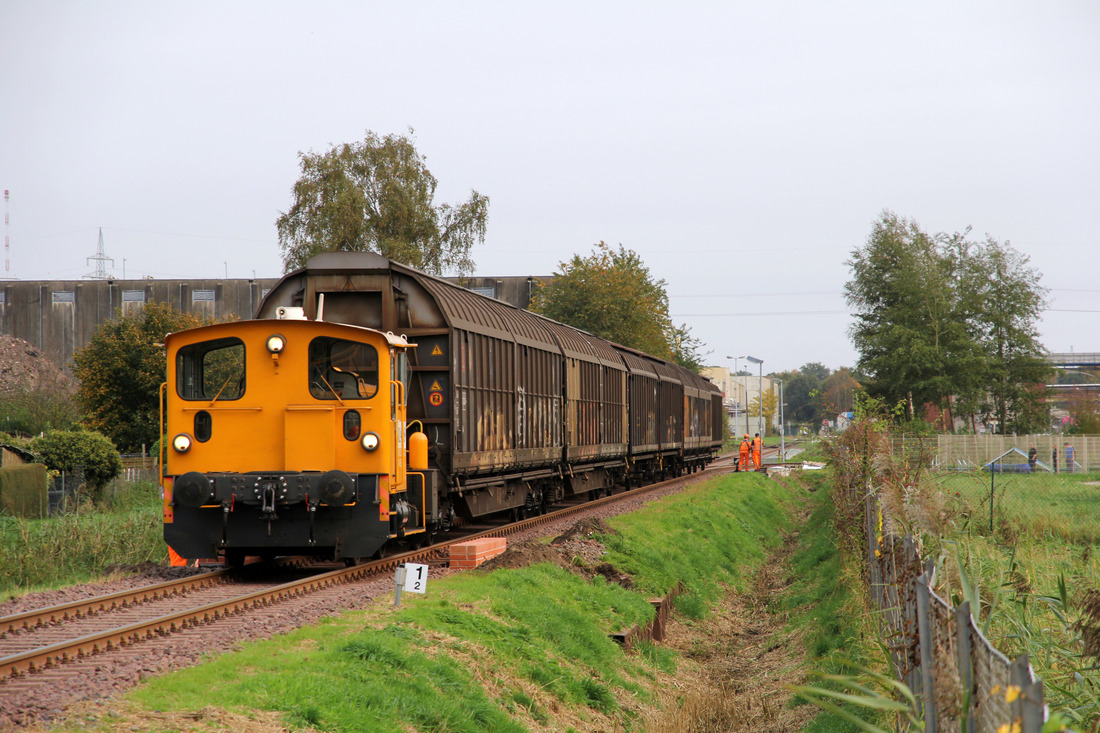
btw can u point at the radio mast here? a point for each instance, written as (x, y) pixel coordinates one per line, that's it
(7, 239)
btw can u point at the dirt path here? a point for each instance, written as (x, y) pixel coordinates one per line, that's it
(739, 663)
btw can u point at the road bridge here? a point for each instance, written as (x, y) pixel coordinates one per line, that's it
(1075, 361)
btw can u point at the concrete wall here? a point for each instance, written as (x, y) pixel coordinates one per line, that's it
(514, 290)
(59, 317)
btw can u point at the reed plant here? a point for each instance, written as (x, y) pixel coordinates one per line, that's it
(1028, 569)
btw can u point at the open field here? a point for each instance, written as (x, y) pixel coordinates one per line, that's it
(1034, 570)
(1037, 506)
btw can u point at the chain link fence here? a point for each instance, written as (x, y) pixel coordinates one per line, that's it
(961, 681)
(1053, 453)
(64, 491)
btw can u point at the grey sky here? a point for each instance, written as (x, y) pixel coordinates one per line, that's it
(743, 149)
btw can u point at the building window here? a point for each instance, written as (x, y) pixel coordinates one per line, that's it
(202, 296)
(64, 296)
(133, 296)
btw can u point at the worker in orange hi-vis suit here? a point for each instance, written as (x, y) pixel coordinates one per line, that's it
(746, 454)
(757, 446)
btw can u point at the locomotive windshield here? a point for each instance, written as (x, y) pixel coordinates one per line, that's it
(340, 369)
(211, 370)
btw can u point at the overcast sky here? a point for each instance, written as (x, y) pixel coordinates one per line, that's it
(742, 149)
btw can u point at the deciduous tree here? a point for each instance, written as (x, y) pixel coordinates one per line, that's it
(1016, 368)
(771, 403)
(379, 196)
(611, 294)
(943, 320)
(910, 341)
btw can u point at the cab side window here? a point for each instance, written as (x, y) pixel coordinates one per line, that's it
(211, 370)
(347, 370)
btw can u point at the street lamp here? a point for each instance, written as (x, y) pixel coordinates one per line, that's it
(782, 427)
(760, 393)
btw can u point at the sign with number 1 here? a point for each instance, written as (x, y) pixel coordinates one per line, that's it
(416, 578)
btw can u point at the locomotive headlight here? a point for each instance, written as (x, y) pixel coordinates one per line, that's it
(370, 441)
(182, 443)
(276, 343)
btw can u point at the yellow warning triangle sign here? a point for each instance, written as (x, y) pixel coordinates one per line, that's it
(435, 387)
(436, 351)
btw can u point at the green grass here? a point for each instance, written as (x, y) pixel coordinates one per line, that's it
(823, 602)
(498, 651)
(1062, 507)
(76, 547)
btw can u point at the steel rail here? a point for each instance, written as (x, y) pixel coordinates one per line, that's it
(43, 658)
(39, 617)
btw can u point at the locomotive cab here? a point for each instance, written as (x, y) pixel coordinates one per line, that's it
(287, 437)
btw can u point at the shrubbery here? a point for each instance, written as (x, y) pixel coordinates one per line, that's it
(65, 450)
(32, 411)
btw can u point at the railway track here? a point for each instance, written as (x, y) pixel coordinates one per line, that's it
(38, 641)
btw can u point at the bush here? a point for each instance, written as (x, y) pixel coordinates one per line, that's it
(32, 411)
(65, 450)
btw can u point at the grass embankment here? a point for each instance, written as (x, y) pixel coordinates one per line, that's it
(520, 649)
(75, 547)
(1034, 572)
(826, 602)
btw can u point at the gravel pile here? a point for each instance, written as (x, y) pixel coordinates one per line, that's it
(24, 367)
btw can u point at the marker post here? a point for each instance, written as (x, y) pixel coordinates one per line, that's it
(411, 577)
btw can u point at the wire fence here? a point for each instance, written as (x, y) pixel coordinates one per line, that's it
(1052, 453)
(962, 682)
(64, 491)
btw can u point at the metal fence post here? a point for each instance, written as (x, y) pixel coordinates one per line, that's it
(924, 632)
(1028, 706)
(966, 670)
(992, 474)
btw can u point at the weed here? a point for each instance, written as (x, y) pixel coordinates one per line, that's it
(81, 545)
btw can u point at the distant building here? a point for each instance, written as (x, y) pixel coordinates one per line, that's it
(738, 393)
(59, 316)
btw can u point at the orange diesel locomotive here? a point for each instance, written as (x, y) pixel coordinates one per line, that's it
(287, 436)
